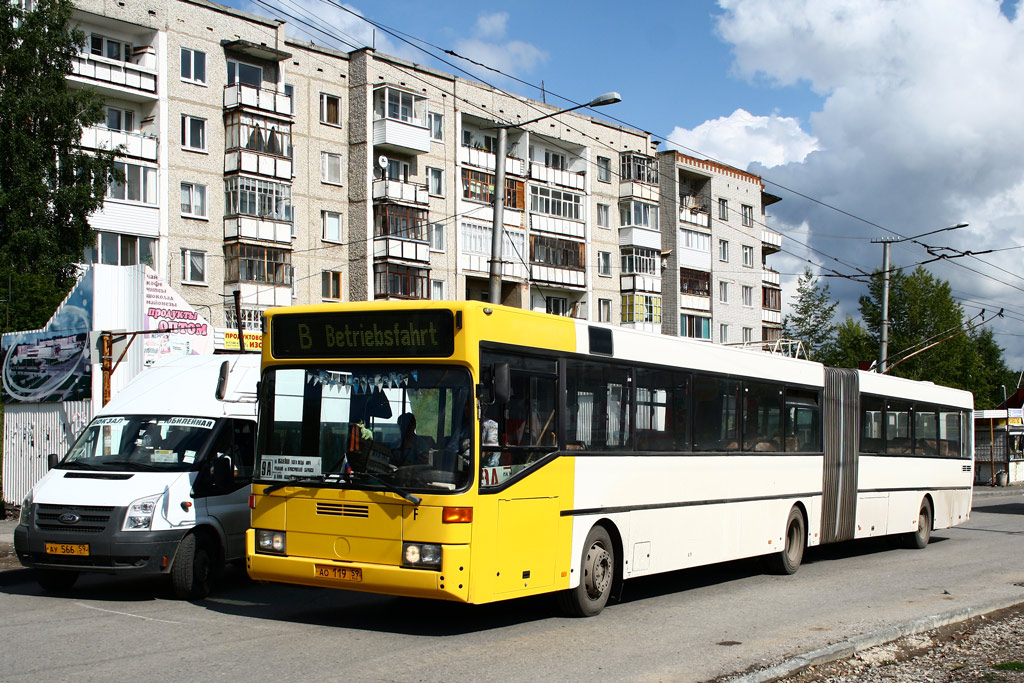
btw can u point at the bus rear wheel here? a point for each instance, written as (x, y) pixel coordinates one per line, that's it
(917, 540)
(597, 574)
(788, 560)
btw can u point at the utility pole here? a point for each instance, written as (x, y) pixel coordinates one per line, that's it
(883, 333)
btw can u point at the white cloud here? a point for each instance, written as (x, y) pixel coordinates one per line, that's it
(491, 25)
(488, 46)
(920, 128)
(742, 138)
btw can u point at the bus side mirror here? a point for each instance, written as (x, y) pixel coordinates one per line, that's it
(501, 390)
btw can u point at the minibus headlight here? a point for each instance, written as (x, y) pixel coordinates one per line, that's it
(421, 555)
(25, 514)
(140, 514)
(268, 541)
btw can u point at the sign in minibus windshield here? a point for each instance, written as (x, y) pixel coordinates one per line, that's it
(363, 334)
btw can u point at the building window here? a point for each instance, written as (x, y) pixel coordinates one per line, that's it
(604, 216)
(437, 236)
(400, 282)
(252, 318)
(331, 226)
(399, 105)
(435, 181)
(436, 124)
(748, 335)
(102, 46)
(437, 290)
(723, 251)
(405, 222)
(243, 130)
(555, 160)
(723, 209)
(330, 284)
(556, 305)
(694, 282)
(723, 291)
(641, 308)
(747, 295)
(639, 214)
(330, 168)
(639, 260)
(747, 212)
(253, 263)
(479, 186)
(556, 203)
(692, 239)
(695, 326)
(723, 334)
(771, 298)
(748, 256)
(604, 169)
(120, 119)
(244, 196)
(193, 200)
(139, 184)
(193, 66)
(244, 74)
(193, 133)
(289, 90)
(115, 249)
(638, 167)
(604, 310)
(193, 266)
(551, 251)
(330, 109)
(604, 263)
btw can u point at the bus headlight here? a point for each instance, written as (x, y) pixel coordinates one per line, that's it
(421, 555)
(268, 541)
(140, 514)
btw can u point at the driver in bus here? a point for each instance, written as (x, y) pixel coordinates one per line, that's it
(413, 448)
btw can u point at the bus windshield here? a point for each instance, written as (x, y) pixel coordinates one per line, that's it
(138, 442)
(407, 426)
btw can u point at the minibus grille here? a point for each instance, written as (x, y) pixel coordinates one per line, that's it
(343, 510)
(92, 519)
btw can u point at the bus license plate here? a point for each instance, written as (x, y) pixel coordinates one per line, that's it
(327, 571)
(67, 548)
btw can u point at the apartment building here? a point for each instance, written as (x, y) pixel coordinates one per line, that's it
(295, 173)
(717, 283)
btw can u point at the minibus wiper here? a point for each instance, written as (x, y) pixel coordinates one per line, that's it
(415, 500)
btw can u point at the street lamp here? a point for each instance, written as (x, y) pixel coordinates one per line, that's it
(499, 186)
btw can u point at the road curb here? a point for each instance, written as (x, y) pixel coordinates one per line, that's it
(851, 646)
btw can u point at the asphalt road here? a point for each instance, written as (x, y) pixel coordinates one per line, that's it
(691, 625)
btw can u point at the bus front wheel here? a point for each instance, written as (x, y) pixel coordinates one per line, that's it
(788, 560)
(916, 540)
(597, 574)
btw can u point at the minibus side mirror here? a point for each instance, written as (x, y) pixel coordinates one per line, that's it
(51, 461)
(223, 472)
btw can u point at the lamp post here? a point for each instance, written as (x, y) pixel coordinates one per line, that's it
(499, 187)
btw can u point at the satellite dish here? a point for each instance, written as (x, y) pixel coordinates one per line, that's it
(382, 161)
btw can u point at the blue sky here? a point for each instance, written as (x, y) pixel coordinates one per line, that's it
(905, 115)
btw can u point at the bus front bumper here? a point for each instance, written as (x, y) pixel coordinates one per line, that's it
(451, 583)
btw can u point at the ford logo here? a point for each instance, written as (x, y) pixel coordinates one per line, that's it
(69, 518)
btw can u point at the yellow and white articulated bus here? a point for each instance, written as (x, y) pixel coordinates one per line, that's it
(471, 452)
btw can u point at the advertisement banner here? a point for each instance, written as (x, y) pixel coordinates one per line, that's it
(188, 333)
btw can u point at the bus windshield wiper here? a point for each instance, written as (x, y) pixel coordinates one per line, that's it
(415, 500)
(296, 480)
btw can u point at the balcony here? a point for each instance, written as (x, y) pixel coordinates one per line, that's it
(400, 232)
(251, 162)
(481, 158)
(693, 210)
(114, 78)
(770, 316)
(393, 281)
(636, 236)
(137, 145)
(771, 241)
(261, 99)
(639, 282)
(771, 277)
(475, 252)
(387, 189)
(557, 176)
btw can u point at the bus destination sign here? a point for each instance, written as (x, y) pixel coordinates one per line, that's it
(364, 334)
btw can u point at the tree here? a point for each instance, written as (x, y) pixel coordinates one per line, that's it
(990, 373)
(811, 320)
(49, 184)
(853, 345)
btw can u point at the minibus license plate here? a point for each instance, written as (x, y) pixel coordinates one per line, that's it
(328, 571)
(67, 548)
